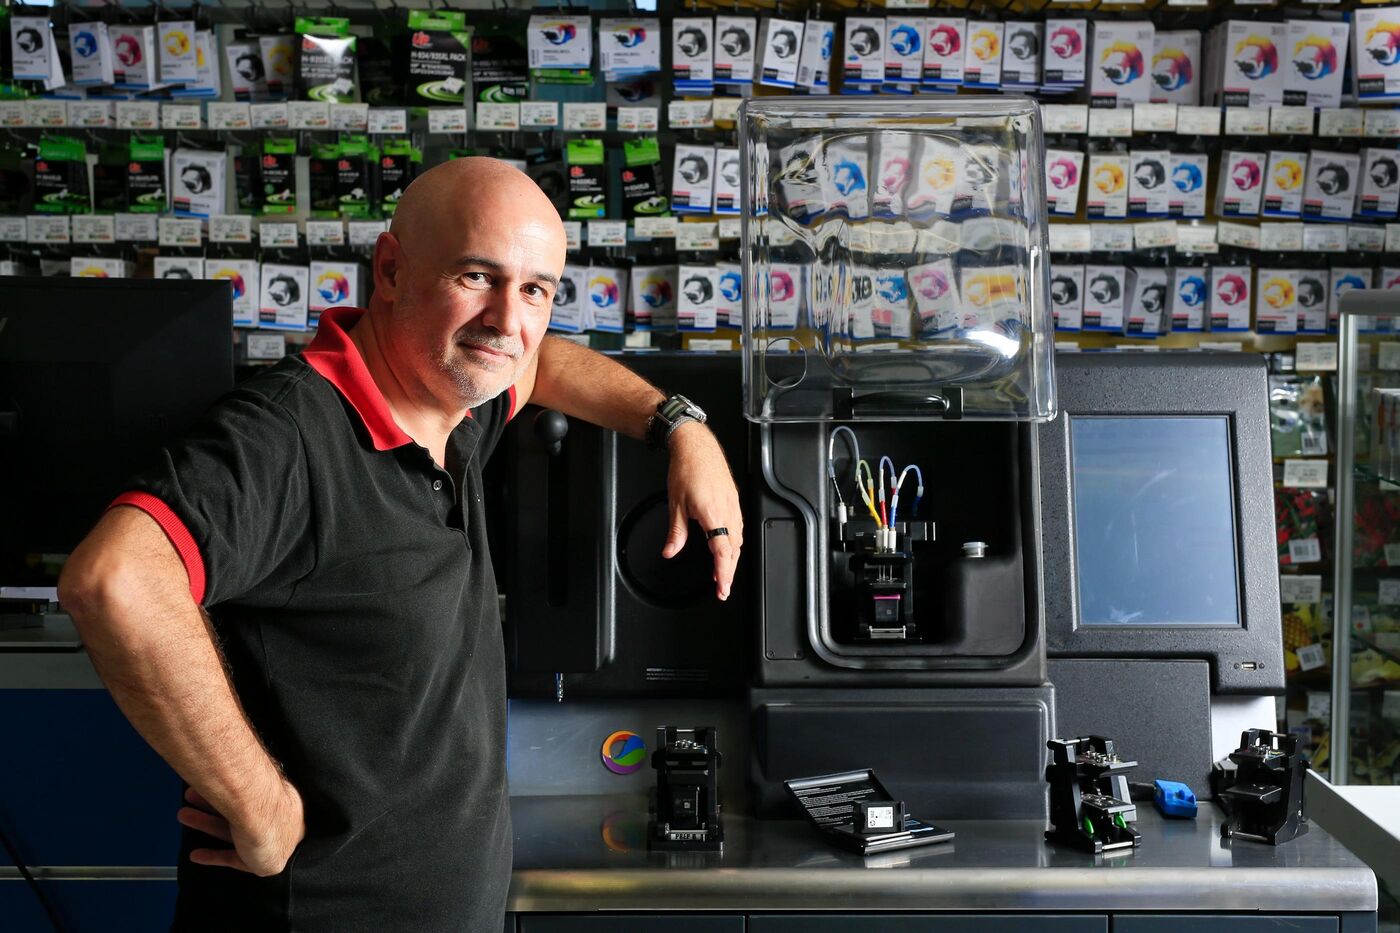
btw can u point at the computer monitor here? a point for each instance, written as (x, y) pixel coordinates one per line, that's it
(94, 376)
(1158, 516)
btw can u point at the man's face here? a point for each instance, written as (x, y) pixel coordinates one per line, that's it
(473, 296)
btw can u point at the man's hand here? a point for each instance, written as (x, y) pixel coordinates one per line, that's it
(262, 849)
(700, 487)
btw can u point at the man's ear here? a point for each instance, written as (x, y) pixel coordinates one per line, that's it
(388, 265)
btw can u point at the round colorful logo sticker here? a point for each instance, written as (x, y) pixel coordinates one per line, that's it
(624, 752)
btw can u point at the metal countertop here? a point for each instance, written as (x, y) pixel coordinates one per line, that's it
(589, 854)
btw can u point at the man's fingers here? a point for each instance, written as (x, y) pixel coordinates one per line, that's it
(726, 554)
(220, 858)
(206, 823)
(675, 540)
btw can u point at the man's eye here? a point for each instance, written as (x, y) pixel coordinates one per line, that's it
(476, 277)
(534, 291)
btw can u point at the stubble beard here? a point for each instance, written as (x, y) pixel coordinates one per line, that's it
(475, 385)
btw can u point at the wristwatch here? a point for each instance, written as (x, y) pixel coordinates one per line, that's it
(671, 414)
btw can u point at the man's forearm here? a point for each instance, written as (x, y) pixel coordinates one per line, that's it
(579, 382)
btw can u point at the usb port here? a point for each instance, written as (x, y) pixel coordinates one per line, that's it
(1249, 665)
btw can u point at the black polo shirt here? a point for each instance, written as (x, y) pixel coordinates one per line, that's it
(349, 583)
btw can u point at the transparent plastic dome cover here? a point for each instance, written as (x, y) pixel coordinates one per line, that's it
(896, 261)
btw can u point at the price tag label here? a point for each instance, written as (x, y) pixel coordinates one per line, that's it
(1325, 238)
(690, 114)
(1196, 238)
(1319, 705)
(1070, 238)
(138, 115)
(445, 120)
(1065, 118)
(1310, 657)
(539, 113)
(94, 228)
(1154, 118)
(13, 230)
(1304, 551)
(1116, 122)
(709, 344)
(12, 114)
(637, 119)
(1339, 121)
(325, 233)
(180, 231)
(266, 346)
(1233, 234)
(697, 237)
(726, 109)
(1388, 355)
(1198, 121)
(1383, 124)
(230, 228)
(730, 228)
(497, 116)
(1300, 588)
(1070, 345)
(1389, 593)
(902, 5)
(1392, 238)
(1365, 238)
(1111, 238)
(268, 116)
(1287, 237)
(308, 115)
(229, 116)
(573, 234)
(780, 235)
(1316, 357)
(1305, 474)
(649, 228)
(43, 229)
(181, 117)
(366, 232)
(1247, 121)
(49, 114)
(607, 233)
(387, 121)
(277, 235)
(1228, 346)
(136, 228)
(90, 114)
(585, 118)
(1155, 234)
(1291, 121)
(349, 118)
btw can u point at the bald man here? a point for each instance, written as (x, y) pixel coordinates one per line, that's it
(295, 605)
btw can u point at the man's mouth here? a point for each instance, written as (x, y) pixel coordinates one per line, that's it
(484, 350)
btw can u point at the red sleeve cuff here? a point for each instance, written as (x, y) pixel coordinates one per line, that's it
(511, 412)
(176, 531)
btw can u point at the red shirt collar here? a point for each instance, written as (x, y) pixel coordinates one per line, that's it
(334, 355)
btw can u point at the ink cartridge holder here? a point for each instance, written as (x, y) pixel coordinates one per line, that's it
(1090, 807)
(1266, 798)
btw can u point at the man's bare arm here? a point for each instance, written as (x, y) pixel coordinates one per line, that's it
(129, 596)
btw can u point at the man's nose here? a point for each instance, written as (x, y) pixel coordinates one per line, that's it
(505, 313)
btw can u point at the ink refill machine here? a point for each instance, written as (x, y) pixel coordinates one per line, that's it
(898, 356)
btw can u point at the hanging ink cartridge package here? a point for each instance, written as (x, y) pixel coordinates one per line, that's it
(1317, 52)
(588, 179)
(247, 76)
(785, 294)
(1240, 189)
(693, 179)
(333, 285)
(1067, 295)
(799, 180)
(176, 39)
(560, 42)
(629, 47)
(398, 165)
(1190, 293)
(567, 311)
(61, 177)
(1176, 67)
(1108, 185)
(814, 64)
(198, 182)
(936, 183)
(1380, 183)
(893, 160)
(356, 188)
(1332, 185)
(934, 289)
(1231, 298)
(727, 195)
(735, 41)
(1342, 280)
(865, 52)
(1064, 169)
(242, 277)
(1375, 44)
(781, 44)
(844, 175)
(1146, 311)
(325, 69)
(904, 49)
(860, 309)
(1066, 54)
(91, 54)
(729, 295)
(1121, 53)
(1313, 287)
(1247, 63)
(1104, 297)
(1023, 54)
(654, 297)
(277, 176)
(284, 302)
(439, 60)
(1277, 311)
(145, 167)
(134, 57)
(697, 302)
(945, 41)
(1148, 189)
(207, 83)
(178, 268)
(984, 179)
(606, 303)
(992, 300)
(1283, 184)
(692, 54)
(641, 188)
(982, 63)
(1187, 195)
(31, 48)
(279, 60)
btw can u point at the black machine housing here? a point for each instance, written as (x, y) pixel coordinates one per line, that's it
(685, 812)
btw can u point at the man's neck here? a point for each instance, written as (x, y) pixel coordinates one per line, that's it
(413, 408)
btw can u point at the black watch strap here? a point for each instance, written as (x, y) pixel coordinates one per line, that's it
(671, 414)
